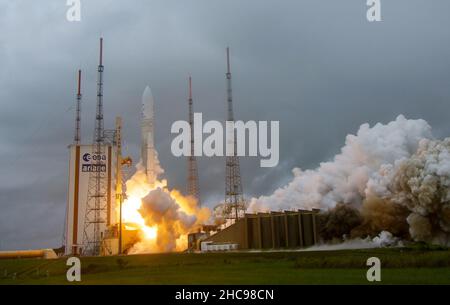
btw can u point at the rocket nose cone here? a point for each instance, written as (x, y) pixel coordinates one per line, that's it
(147, 93)
(147, 103)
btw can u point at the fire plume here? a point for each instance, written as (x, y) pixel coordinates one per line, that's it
(163, 217)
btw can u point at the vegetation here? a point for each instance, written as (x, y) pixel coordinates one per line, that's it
(418, 264)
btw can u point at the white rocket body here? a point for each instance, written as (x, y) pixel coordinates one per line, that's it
(148, 153)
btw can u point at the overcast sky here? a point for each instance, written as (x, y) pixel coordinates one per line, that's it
(319, 67)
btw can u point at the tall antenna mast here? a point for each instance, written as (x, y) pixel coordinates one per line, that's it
(98, 138)
(193, 185)
(77, 137)
(234, 198)
(97, 201)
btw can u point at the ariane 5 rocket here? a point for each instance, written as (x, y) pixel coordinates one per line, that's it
(148, 152)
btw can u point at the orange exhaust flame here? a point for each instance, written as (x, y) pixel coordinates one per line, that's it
(163, 217)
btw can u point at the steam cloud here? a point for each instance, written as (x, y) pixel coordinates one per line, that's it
(391, 177)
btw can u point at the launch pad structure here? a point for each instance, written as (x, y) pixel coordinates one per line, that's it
(95, 189)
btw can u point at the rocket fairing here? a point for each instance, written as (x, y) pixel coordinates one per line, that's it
(149, 155)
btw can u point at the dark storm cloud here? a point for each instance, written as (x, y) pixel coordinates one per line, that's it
(316, 66)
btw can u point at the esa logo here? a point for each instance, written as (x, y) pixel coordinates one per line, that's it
(88, 157)
(94, 163)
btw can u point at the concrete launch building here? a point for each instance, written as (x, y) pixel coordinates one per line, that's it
(274, 230)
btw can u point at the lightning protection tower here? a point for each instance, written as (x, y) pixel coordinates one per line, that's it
(193, 185)
(234, 199)
(97, 201)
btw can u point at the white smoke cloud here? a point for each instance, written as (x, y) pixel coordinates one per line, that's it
(345, 178)
(395, 168)
(422, 184)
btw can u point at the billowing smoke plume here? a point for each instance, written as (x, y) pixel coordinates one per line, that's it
(158, 208)
(382, 215)
(164, 217)
(339, 221)
(391, 177)
(422, 185)
(345, 178)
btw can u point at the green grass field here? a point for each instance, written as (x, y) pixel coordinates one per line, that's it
(399, 266)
